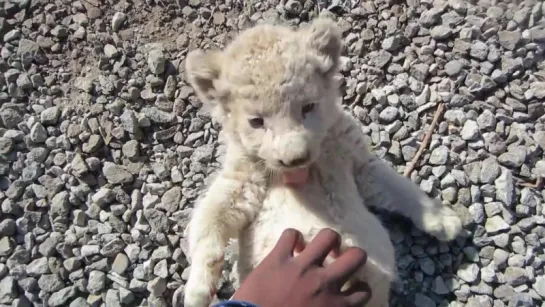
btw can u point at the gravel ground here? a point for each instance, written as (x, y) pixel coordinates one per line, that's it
(103, 147)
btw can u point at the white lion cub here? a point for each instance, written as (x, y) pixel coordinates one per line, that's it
(294, 159)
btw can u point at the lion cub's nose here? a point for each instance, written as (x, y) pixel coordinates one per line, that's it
(295, 162)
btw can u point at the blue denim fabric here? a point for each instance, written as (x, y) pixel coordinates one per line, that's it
(234, 304)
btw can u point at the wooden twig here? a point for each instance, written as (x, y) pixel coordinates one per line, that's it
(536, 185)
(425, 141)
(356, 101)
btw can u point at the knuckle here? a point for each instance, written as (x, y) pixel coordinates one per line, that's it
(297, 268)
(330, 234)
(356, 254)
(320, 282)
(290, 232)
(360, 253)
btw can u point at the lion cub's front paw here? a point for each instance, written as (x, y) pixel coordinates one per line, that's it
(445, 225)
(197, 295)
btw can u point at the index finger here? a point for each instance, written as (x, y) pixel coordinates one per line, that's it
(346, 265)
(290, 240)
(326, 241)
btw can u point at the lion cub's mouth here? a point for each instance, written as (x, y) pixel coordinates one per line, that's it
(295, 177)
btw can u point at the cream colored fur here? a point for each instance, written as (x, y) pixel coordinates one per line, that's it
(273, 72)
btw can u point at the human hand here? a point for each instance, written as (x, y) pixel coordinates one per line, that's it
(282, 280)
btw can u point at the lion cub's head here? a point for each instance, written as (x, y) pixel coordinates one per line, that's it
(273, 91)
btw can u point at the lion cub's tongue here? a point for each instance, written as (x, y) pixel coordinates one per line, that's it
(295, 177)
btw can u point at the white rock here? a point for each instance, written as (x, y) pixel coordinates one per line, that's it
(496, 224)
(118, 20)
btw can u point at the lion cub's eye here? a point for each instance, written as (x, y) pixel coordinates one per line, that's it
(308, 108)
(256, 123)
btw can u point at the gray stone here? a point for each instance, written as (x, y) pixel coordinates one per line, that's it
(157, 286)
(125, 296)
(423, 301)
(430, 17)
(419, 71)
(158, 116)
(12, 35)
(131, 149)
(90, 250)
(540, 169)
(112, 298)
(6, 247)
(479, 50)
(161, 269)
(471, 253)
(441, 32)
(499, 76)
(157, 220)
(515, 276)
(490, 170)
(468, 272)
(93, 144)
(103, 196)
(7, 227)
(6, 145)
(113, 247)
(439, 156)
(505, 187)
(79, 166)
(162, 252)
(38, 267)
(62, 296)
(379, 58)
(470, 131)
(78, 302)
(496, 224)
(8, 290)
(38, 134)
(156, 61)
(389, 114)
(391, 43)
(50, 283)
(129, 122)
(170, 201)
(59, 31)
(203, 154)
(537, 34)
(50, 116)
(111, 51)
(440, 287)
(96, 282)
(27, 46)
(521, 300)
(453, 68)
(32, 172)
(504, 292)
(60, 205)
(509, 39)
(117, 20)
(487, 120)
(427, 266)
(539, 286)
(116, 174)
(120, 264)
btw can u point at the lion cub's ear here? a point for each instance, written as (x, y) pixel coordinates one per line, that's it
(203, 70)
(324, 36)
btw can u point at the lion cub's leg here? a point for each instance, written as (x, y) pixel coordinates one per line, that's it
(225, 209)
(381, 186)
